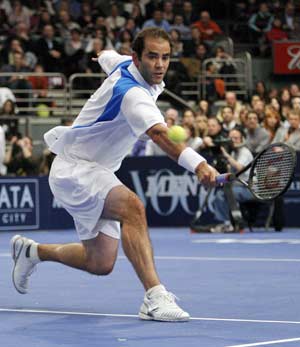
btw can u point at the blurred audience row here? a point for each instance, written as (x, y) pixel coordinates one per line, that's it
(270, 116)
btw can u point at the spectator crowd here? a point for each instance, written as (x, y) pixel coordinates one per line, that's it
(63, 35)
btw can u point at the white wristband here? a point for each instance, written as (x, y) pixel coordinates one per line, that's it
(190, 159)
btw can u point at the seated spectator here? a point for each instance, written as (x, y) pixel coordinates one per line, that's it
(288, 19)
(6, 94)
(232, 101)
(188, 117)
(74, 52)
(65, 24)
(172, 116)
(201, 124)
(189, 46)
(272, 122)
(136, 17)
(204, 107)
(49, 51)
(276, 33)
(20, 160)
(193, 140)
(296, 103)
(179, 25)
(19, 13)
(18, 82)
(188, 13)
(225, 66)
(291, 135)
(131, 26)
(237, 158)
(227, 118)
(115, 20)
(9, 124)
(168, 11)
(285, 97)
(257, 137)
(176, 44)
(294, 90)
(261, 91)
(208, 28)
(259, 108)
(8, 108)
(260, 22)
(294, 34)
(211, 143)
(158, 21)
(124, 37)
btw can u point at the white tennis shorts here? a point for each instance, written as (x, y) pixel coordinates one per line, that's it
(81, 188)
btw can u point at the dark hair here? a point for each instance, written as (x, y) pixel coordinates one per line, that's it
(138, 43)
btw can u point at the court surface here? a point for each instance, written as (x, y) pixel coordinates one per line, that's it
(240, 289)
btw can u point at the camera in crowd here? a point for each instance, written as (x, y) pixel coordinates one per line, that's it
(219, 162)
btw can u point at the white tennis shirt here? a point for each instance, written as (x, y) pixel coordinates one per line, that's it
(121, 110)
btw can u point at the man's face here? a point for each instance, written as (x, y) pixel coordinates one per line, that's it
(154, 61)
(294, 121)
(227, 115)
(236, 137)
(252, 121)
(213, 127)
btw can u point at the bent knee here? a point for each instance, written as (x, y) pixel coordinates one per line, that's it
(136, 208)
(99, 269)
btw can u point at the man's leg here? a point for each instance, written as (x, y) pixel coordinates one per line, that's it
(125, 206)
(96, 256)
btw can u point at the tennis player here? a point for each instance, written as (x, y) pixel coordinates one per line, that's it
(82, 176)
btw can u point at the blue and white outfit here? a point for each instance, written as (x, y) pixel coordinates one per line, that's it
(92, 149)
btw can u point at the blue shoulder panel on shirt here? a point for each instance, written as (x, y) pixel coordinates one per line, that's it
(113, 106)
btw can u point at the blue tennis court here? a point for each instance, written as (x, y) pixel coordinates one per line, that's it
(240, 289)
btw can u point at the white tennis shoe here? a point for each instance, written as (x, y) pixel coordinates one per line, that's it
(24, 264)
(161, 306)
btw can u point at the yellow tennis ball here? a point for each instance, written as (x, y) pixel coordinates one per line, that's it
(177, 134)
(42, 110)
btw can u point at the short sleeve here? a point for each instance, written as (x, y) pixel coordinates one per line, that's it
(109, 60)
(140, 111)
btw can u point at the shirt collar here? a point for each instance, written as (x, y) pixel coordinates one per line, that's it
(155, 89)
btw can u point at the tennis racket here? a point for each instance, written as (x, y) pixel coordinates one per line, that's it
(271, 172)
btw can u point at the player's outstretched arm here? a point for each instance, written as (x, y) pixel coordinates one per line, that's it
(183, 155)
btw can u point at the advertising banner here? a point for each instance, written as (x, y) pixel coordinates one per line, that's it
(170, 194)
(286, 57)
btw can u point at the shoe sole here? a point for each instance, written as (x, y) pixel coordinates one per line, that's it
(15, 258)
(144, 316)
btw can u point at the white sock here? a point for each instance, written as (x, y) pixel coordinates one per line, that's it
(156, 289)
(33, 253)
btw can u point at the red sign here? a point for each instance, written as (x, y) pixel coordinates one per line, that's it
(286, 57)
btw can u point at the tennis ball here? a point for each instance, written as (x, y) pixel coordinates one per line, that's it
(177, 134)
(42, 111)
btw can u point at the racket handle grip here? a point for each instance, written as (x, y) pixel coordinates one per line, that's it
(224, 178)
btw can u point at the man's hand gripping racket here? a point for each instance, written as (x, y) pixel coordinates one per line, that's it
(271, 172)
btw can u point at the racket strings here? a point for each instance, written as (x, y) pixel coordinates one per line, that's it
(273, 171)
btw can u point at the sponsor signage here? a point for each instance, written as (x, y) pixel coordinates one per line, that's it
(170, 194)
(286, 57)
(19, 204)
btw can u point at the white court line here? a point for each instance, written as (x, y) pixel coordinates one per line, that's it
(95, 314)
(267, 343)
(297, 260)
(285, 260)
